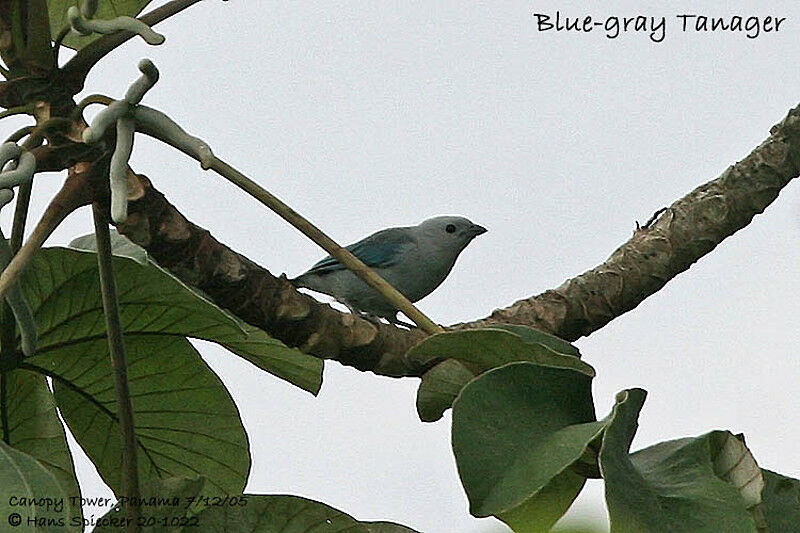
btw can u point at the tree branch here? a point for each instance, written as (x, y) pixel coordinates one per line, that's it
(686, 231)
(690, 228)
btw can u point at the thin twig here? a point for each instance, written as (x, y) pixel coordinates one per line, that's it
(20, 215)
(20, 110)
(59, 40)
(89, 100)
(20, 133)
(342, 255)
(116, 346)
(4, 406)
(23, 202)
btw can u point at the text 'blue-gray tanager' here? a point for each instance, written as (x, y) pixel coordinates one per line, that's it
(414, 259)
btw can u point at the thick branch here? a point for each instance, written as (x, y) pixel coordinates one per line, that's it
(688, 229)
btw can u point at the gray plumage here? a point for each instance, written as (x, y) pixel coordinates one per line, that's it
(414, 259)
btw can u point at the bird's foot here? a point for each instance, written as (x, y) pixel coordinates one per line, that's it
(375, 319)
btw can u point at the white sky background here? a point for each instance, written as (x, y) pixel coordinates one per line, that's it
(363, 117)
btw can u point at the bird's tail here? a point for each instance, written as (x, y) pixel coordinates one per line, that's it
(297, 282)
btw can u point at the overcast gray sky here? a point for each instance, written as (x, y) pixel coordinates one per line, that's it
(363, 115)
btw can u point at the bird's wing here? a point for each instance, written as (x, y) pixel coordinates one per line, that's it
(381, 249)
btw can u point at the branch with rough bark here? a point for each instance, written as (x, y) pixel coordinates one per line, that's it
(686, 231)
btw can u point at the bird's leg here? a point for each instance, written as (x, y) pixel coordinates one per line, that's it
(375, 318)
(363, 314)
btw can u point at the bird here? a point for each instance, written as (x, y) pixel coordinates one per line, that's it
(413, 259)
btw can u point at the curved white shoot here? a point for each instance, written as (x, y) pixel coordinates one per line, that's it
(23, 172)
(6, 195)
(145, 82)
(118, 170)
(86, 26)
(104, 119)
(156, 124)
(17, 302)
(9, 151)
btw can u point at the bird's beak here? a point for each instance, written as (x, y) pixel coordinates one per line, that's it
(475, 230)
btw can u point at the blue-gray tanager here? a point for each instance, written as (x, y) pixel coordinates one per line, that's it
(415, 260)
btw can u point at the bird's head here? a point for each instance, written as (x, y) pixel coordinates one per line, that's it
(450, 232)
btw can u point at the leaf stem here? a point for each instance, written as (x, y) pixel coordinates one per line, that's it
(342, 255)
(20, 110)
(20, 133)
(4, 406)
(58, 41)
(89, 100)
(23, 202)
(116, 345)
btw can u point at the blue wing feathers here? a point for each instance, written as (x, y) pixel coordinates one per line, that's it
(381, 249)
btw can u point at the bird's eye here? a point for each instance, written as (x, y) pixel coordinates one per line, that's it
(450, 228)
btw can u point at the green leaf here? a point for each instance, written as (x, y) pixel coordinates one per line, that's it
(479, 350)
(107, 9)
(733, 462)
(386, 527)
(781, 505)
(287, 514)
(165, 503)
(120, 246)
(518, 430)
(24, 480)
(186, 422)
(34, 428)
(63, 290)
(486, 348)
(535, 336)
(440, 386)
(672, 486)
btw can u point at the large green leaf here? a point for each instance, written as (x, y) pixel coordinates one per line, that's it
(186, 422)
(184, 501)
(440, 386)
(518, 431)
(535, 336)
(62, 288)
(166, 505)
(33, 427)
(25, 480)
(781, 497)
(286, 514)
(672, 486)
(478, 350)
(107, 9)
